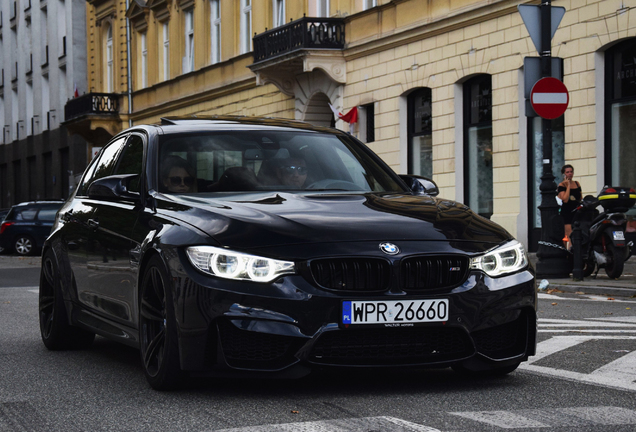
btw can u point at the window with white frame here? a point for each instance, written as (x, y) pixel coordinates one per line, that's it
(14, 114)
(46, 104)
(165, 66)
(279, 13)
(110, 73)
(246, 26)
(61, 28)
(143, 46)
(29, 108)
(322, 8)
(368, 4)
(2, 141)
(188, 59)
(215, 31)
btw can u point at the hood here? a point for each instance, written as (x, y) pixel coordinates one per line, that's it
(256, 220)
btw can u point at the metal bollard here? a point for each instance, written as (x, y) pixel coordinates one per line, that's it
(577, 237)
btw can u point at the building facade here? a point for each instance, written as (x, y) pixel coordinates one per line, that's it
(439, 84)
(42, 62)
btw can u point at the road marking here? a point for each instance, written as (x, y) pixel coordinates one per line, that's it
(578, 417)
(341, 425)
(619, 374)
(571, 417)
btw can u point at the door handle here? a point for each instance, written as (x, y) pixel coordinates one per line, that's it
(93, 223)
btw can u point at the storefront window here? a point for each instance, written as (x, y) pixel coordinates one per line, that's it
(420, 133)
(621, 112)
(478, 145)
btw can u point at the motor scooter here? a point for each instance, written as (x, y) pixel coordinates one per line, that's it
(603, 243)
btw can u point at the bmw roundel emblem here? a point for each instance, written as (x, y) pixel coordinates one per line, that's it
(389, 248)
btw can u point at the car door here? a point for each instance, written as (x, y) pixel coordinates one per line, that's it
(111, 274)
(80, 224)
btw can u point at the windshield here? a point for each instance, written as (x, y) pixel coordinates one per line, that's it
(240, 161)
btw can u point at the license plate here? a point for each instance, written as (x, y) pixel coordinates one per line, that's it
(618, 235)
(394, 311)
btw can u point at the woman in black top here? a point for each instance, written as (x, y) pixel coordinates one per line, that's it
(570, 193)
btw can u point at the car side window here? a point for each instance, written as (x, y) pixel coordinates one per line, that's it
(27, 214)
(131, 161)
(103, 167)
(47, 214)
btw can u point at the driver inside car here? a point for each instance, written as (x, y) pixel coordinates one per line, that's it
(292, 172)
(177, 175)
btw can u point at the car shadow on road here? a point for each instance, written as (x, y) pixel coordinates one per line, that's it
(115, 358)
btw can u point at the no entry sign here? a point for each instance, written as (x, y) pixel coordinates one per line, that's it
(549, 98)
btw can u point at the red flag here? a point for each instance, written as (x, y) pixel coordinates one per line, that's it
(351, 117)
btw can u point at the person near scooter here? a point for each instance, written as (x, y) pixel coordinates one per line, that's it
(569, 191)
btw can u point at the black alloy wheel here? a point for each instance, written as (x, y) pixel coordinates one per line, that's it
(157, 331)
(24, 245)
(56, 333)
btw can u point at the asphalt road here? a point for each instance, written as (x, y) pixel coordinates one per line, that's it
(583, 379)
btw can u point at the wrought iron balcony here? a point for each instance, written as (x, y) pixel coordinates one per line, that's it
(91, 103)
(305, 33)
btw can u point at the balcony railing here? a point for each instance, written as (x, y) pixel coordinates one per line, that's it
(91, 103)
(305, 33)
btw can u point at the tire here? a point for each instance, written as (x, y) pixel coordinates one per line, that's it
(56, 332)
(615, 259)
(493, 371)
(24, 245)
(588, 267)
(157, 329)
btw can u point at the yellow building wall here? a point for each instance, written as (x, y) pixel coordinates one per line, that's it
(391, 50)
(462, 39)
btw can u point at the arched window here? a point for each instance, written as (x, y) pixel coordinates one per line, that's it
(420, 127)
(110, 75)
(478, 188)
(620, 112)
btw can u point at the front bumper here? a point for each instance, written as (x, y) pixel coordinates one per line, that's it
(289, 325)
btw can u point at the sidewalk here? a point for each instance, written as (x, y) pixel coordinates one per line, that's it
(625, 286)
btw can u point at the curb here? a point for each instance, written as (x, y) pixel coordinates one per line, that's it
(577, 288)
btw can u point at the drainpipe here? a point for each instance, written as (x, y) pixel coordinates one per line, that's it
(128, 67)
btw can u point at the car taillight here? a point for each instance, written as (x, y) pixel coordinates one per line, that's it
(610, 190)
(631, 190)
(4, 226)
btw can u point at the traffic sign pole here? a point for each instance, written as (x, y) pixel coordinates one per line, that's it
(551, 258)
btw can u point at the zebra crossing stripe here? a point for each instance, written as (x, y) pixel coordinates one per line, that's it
(501, 419)
(619, 374)
(383, 423)
(516, 419)
(572, 417)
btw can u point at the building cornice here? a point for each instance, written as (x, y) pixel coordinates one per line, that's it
(458, 19)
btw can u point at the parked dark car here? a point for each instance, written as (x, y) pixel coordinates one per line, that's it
(3, 214)
(27, 225)
(230, 244)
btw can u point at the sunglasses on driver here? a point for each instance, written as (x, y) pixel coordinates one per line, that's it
(177, 181)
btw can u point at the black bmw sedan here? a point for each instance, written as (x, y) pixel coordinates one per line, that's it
(226, 245)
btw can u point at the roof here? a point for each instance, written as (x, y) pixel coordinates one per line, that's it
(246, 120)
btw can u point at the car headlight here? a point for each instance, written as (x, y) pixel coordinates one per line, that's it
(236, 265)
(508, 258)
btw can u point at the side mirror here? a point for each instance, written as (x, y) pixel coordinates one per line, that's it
(420, 185)
(113, 188)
